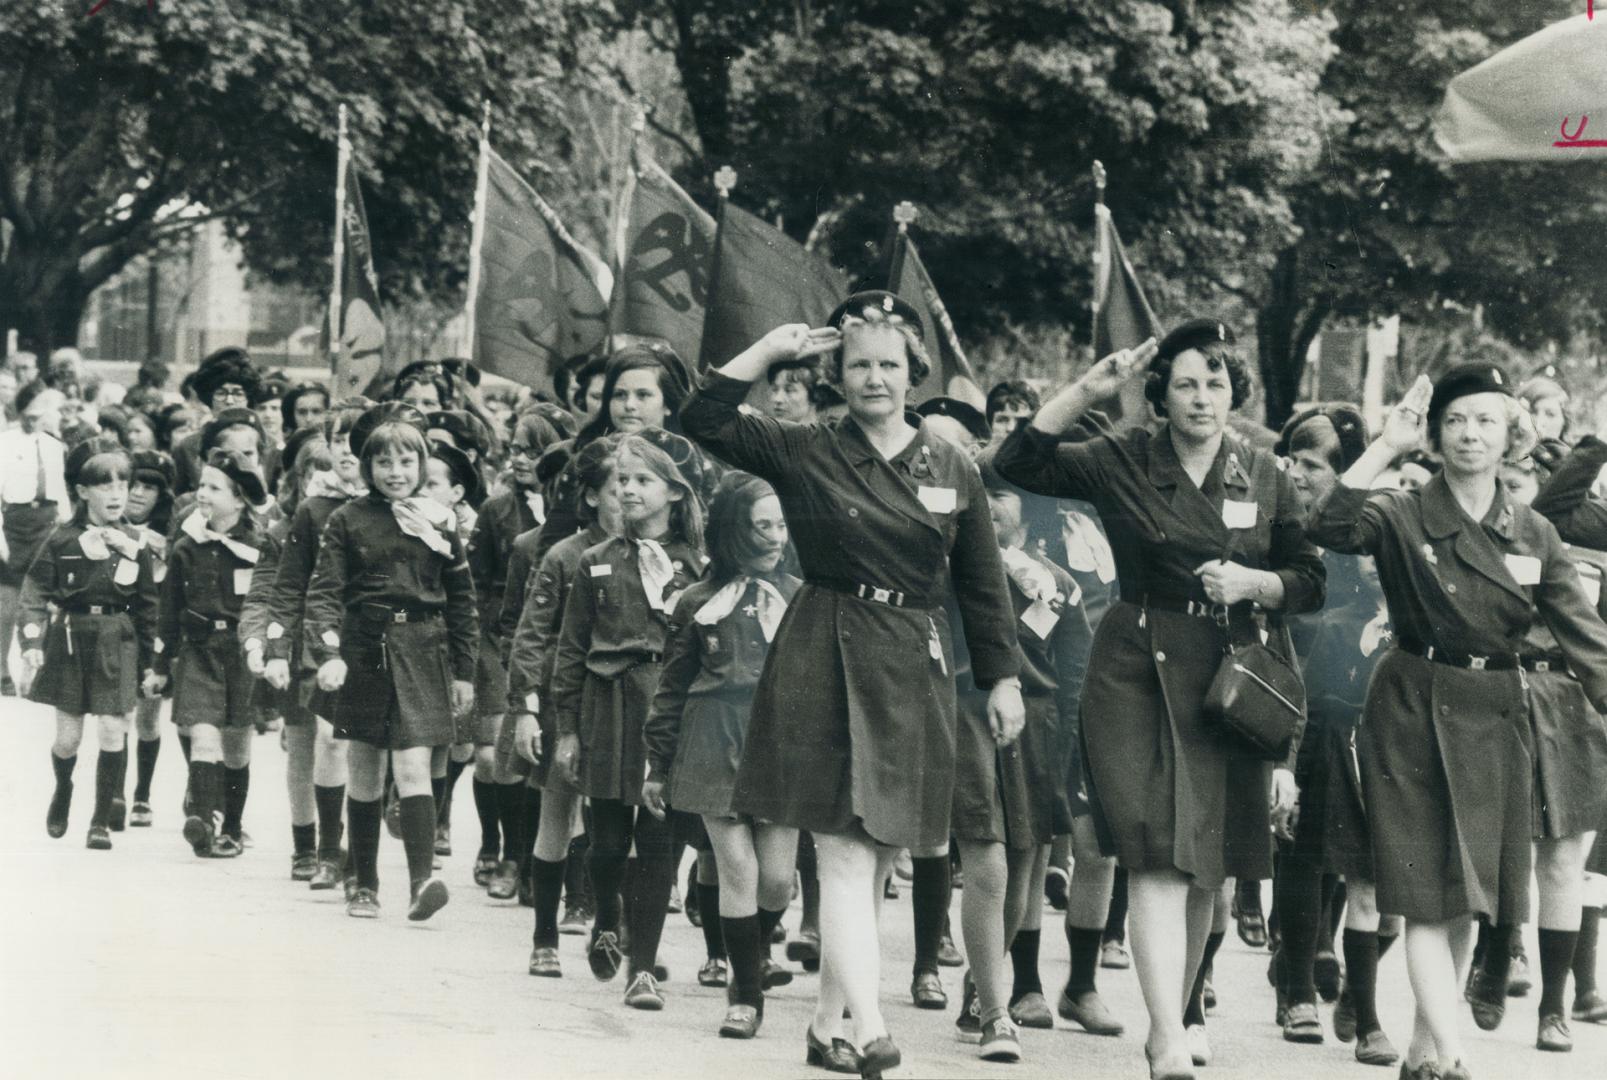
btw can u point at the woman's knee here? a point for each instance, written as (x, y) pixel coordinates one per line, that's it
(112, 733)
(987, 869)
(237, 747)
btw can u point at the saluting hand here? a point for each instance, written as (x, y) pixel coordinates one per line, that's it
(1404, 426)
(527, 737)
(653, 797)
(277, 674)
(1006, 714)
(1105, 379)
(332, 675)
(797, 341)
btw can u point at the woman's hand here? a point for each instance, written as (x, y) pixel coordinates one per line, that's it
(1285, 803)
(1006, 714)
(153, 684)
(254, 660)
(1228, 582)
(527, 737)
(332, 675)
(277, 674)
(567, 758)
(653, 797)
(796, 341)
(1106, 378)
(462, 697)
(1405, 425)
(32, 661)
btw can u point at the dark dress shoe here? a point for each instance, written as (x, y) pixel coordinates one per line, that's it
(119, 814)
(839, 1057)
(56, 816)
(1374, 1048)
(1345, 1017)
(99, 839)
(948, 955)
(926, 990)
(1088, 1010)
(877, 1056)
(198, 834)
(741, 1022)
(804, 948)
(1488, 997)
(772, 974)
(712, 973)
(429, 897)
(1301, 1025)
(1325, 974)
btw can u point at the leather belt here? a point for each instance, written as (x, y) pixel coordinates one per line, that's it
(98, 609)
(876, 594)
(1543, 662)
(1501, 662)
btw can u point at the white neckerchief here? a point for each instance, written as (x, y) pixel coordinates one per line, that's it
(196, 528)
(422, 518)
(99, 541)
(1035, 580)
(656, 571)
(538, 506)
(768, 601)
(1086, 548)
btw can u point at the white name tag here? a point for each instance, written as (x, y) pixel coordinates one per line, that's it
(1525, 569)
(1238, 515)
(242, 581)
(1592, 586)
(1041, 618)
(601, 570)
(127, 572)
(938, 500)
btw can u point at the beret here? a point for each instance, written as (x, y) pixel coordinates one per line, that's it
(459, 425)
(955, 409)
(1461, 381)
(1193, 334)
(887, 302)
(81, 452)
(460, 468)
(224, 420)
(383, 413)
(247, 479)
(153, 467)
(688, 462)
(562, 421)
(293, 444)
(1348, 425)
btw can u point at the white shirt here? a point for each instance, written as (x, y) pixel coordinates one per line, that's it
(20, 454)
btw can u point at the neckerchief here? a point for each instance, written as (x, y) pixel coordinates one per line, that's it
(1035, 580)
(422, 517)
(656, 570)
(1086, 549)
(538, 506)
(196, 528)
(99, 541)
(771, 605)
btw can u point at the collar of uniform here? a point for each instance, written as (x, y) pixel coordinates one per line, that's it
(1166, 471)
(859, 449)
(1443, 516)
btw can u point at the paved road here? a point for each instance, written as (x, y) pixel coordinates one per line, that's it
(146, 962)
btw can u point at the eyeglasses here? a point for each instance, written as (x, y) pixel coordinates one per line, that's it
(517, 450)
(229, 393)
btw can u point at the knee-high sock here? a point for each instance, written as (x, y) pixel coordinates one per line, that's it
(930, 892)
(708, 899)
(1361, 977)
(1299, 898)
(1498, 952)
(1024, 963)
(1585, 952)
(510, 814)
(62, 768)
(768, 921)
(145, 753)
(577, 883)
(547, 880)
(362, 818)
(329, 800)
(1556, 960)
(236, 785)
(649, 903)
(206, 789)
(454, 769)
(485, 804)
(1084, 973)
(1116, 918)
(741, 936)
(108, 783)
(1195, 1013)
(418, 835)
(438, 793)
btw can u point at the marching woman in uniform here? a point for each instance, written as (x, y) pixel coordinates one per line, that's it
(852, 734)
(1445, 745)
(149, 509)
(87, 658)
(1198, 521)
(720, 633)
(390, 623)
(208, 579)
(610, 652)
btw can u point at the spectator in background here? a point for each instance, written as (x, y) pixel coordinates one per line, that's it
(112, 422)
(174, 424)
(33, 500)
(8, 397)
(1547, 403)
(67, 362)
(798, 394)
(226, 379)
(25, 366)
(267, 407)
(586, 390)
(1008, 404)
(149, 391)
(141, 431)
(302, 406)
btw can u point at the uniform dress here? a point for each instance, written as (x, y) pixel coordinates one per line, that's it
(854, 716)
(90, 605)
(1447, 756)
(531, 617)
(207, 581)
(699, 719)
(1165, 791)
(502, 519)
(610, 651)
(401, 614)
(283, 598)
(1338, 647)
(1017, 795)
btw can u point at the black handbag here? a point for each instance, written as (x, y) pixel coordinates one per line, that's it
(1256, 701)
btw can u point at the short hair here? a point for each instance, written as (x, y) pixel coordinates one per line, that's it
(675, 383)
(730, 529)
(29, 393)
(807, 372)
(1011, 392)
(1219, 356)
(920, 364)
(107, 466)
(169, 420)
(1521, 435)
(580, 380)
(397, 436)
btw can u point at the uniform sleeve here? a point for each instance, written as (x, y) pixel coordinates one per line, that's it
(1349, 520)
(1046, 465)
(713, 419)
(146, 606)
(1572, 620)
(1072, 642)
(536, 633)
(1294, 558)
(323, 609)
(983, 593)
(1566, 500)
(574, 641)
(514, 594)
(482, 556)
(39, 588)
(462, 615)
(682, 661)
(170, 606)
(255, 610)
(563, 518)
(289, 583)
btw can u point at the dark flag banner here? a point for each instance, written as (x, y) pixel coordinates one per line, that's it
(361, 359)
(760, 279)
(951, 372)
(542, 296)
(1123, 318)
(667, 245)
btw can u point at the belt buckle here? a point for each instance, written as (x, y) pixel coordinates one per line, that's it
(220, 624)
(880, 595)
(1541, 666)
(96, 609)
(1477, 663)
(398, 616)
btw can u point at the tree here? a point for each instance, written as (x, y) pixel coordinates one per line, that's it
(121, 127)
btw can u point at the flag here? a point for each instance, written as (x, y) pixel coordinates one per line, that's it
(666, 244)
(360, 362)
(1533, 100)
(542, 297)
(761, 278)
(1123, 318)
(951, 373)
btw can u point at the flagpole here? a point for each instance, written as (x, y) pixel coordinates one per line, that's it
(904, 215)
(725, 178)
(477, 231)
(623, 214)
(1100, 256)
(342, 157)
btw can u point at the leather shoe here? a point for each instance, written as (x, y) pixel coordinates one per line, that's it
(1489, 1000)
(429, 897)
(1032, 1011)
(741, 1022)
(712, 973)
(772, 974)
(1300, 1023)
(839, 1057)
(1590, 1008)
(1345, 1017)
(1088, 1010)
(877, 1056)
(326, 875)
(1374, 1048)
(1554, 1034)
(119, 814)
(926, 990)
(303, 865)
(544, 962)
(504, 883)
(948, 955)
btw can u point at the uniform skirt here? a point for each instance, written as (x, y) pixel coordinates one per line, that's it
(91, 665)
(1001, 794)
(490, 692)
(211, 684)
(1570, 756)
(397, 693)
(1165, 792)
(613, 755)
(708, 752)
(1332, 825)
(1447, 776)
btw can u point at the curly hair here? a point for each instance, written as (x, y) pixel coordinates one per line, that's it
(920, 363)
(1219, 356)
(1521, 435)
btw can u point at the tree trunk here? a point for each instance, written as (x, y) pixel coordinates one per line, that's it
(42, 294)
(1285, 328)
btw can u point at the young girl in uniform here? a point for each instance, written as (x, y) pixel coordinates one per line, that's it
(610, 651)
(390, 622)
(209, 576)
(85, 660)
(149, 510)
(720, 633)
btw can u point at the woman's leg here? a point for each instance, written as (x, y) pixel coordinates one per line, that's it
(301, 745)
(1362, 953)
(236, 777)
(982, 924)
(851, 869)
(1436, 959)
(737, 860)
(1089, 904)
(1164, 913)
(410, 769)
(112, 732)
(63, 756)
(366, 770)
(1560, 873)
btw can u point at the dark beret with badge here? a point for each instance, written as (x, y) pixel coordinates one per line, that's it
(1349, 427)
(384, 413)
(1462, 381)
(561, 420)
(688, 462)
(460, 468)
(225, 420)
(245, 478)
(81, 452)
(967, 415)
(878, 300)
(1193, 334)
(153, 467)
(459, 425)
(293, 446)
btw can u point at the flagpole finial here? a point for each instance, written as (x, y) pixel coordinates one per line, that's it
(904, 214)
(1099, 181)
(725, 178)
(485, 118)
(638, 115)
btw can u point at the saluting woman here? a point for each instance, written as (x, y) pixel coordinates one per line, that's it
(850, 738)
(1446, 751)
(1198, 520)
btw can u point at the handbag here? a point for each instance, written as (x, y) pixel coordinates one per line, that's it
(1256, 701)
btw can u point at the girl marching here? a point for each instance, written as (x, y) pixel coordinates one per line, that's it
(149, 509)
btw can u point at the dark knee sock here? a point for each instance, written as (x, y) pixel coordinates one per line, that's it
(236, 785)
(708, 901)
(1556, 960)
(438, 794)
(1384, 942)
(122, 771)
(1498, 953)
(510, 814)
(768, 921)
(650, 898)
(1116, 918)
(1299, 893)
(607, 872)
(108, 783)
(418, 836)
(145, 753)
(1195, 1013)
(1249, 895)
(1361, 977)
(184, 746)
(929, 897)
(1481, 942)
(362, 817)
(485, 804)
(1585, 952)
(548, 882)
(1083, 974)
(532, 824)
(63, 769)
(577, 883)
(303, 839)
(206, 789)
(742, 938)
(329, 800)
(1024, 962)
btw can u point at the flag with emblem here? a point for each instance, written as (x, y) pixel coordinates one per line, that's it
(1123, 318)
(666, 245)
(760, 278)
(359, 362)
(951, 374)
(542, 296)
